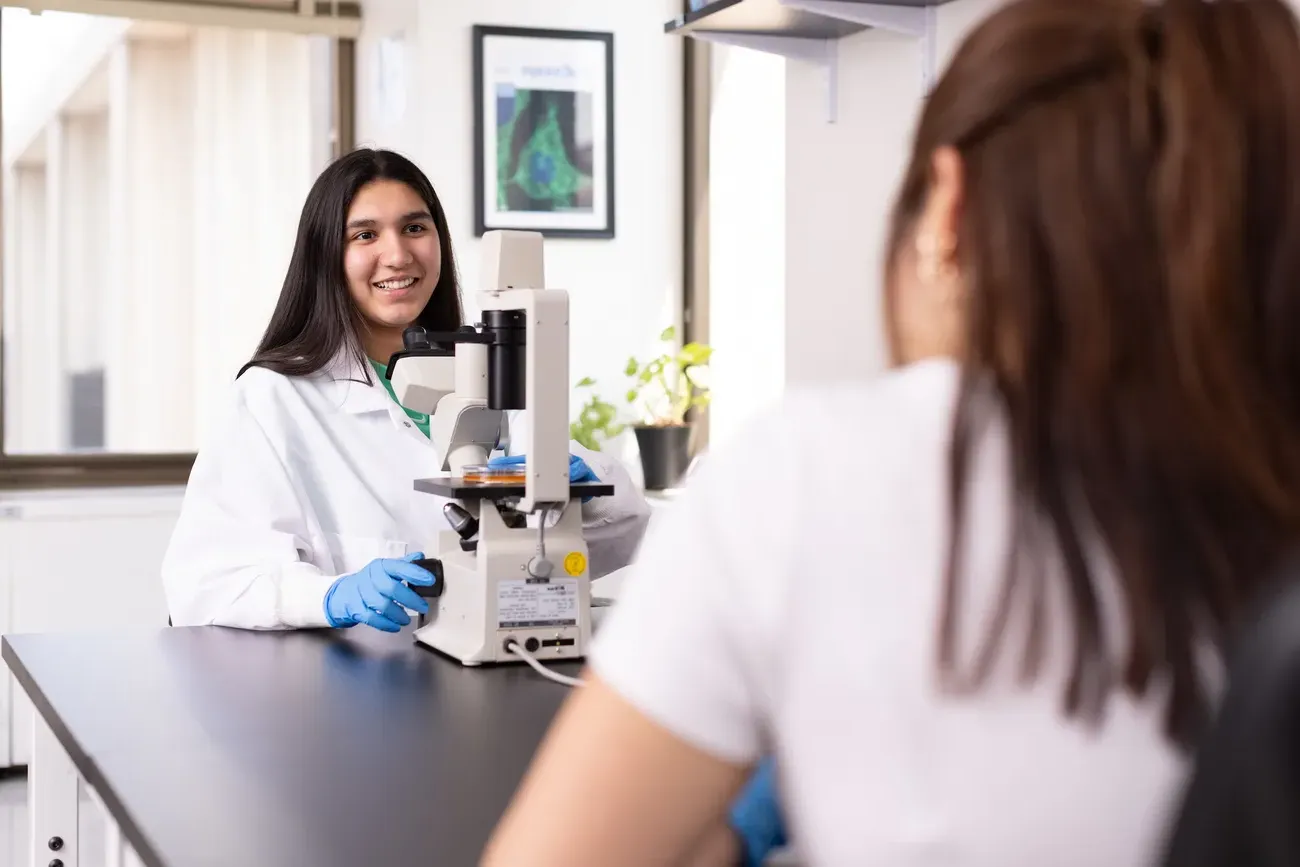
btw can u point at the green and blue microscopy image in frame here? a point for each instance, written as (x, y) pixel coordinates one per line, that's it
(545, 150)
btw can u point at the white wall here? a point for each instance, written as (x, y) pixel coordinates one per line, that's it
(842, 178)
(747, 235)
(623, 291)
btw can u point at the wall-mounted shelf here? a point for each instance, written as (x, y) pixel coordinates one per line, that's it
(810, 30)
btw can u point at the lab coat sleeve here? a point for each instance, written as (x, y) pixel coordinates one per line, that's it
(236, 556)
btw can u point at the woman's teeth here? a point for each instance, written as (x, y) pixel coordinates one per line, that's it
(394, 285)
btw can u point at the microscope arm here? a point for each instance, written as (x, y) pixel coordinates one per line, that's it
(452, 386)
(464, 431)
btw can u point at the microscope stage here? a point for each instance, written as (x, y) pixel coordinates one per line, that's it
(458, 489)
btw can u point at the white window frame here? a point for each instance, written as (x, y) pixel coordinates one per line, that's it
(341, 20)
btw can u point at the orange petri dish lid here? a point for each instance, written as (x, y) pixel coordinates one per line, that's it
(482, 474)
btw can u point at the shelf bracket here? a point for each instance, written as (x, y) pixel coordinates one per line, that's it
(929, 50)
(907, 20)
(832, 69)
(918, 23)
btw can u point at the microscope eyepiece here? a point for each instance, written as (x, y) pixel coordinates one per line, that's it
(415, 337)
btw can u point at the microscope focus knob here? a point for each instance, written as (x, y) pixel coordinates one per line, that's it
(465, 524)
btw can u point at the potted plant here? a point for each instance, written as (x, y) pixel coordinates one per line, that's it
(663, 391)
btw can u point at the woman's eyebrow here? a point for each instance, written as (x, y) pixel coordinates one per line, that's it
(369, 223)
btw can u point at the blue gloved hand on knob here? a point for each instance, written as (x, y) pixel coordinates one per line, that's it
(755, 817)
(377, 594)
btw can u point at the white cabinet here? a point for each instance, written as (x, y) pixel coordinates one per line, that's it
(78, 560)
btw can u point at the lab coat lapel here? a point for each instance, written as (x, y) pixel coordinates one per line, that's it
(412, 457)
(358, 392)
(355, 387)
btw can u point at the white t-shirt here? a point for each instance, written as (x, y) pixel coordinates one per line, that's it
(789, 602)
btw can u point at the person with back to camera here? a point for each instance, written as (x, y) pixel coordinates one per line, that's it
(300, 510)
(999, 649)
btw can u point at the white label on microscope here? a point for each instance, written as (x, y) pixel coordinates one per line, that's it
(527, 604)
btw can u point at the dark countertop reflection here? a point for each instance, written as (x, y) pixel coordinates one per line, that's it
(216, 746)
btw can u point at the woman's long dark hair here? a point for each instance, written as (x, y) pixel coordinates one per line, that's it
(315, 317)
(1129, 242)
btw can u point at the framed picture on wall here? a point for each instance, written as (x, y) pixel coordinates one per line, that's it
(544, 131)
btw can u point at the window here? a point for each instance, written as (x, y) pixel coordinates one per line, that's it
(152, 175)
(735, 230)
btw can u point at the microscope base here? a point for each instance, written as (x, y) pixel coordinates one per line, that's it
(489, 599)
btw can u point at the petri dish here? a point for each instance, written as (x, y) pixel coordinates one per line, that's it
(482, 474)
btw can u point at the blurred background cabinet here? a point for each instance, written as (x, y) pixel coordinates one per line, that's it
(83, 560)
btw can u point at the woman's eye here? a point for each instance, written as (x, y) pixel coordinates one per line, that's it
(415, 228)
(364, 236)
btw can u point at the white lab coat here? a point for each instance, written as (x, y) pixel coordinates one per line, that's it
(309, 478)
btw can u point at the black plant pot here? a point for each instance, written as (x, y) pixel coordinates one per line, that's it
(665, 455)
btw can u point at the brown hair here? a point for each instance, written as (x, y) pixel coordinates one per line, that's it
(1129, 242)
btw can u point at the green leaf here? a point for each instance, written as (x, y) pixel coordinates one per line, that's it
(646, 376)
(596, 423)
(632, 393)
(694, 354)
(632, 367)
(669, 333)
(585, 382)
(701, 400)
(583, 437)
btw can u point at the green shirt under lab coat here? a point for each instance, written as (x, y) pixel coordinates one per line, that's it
(421, 420)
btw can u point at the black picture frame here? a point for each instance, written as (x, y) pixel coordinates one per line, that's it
(492, 44)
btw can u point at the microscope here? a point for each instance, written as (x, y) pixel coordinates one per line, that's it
(512, 572)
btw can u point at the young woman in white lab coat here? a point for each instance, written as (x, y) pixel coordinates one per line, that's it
(300, 510)
(984, 632)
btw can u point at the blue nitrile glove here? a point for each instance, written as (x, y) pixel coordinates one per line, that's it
(375, 595)
(578, 469)
(755, 816)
